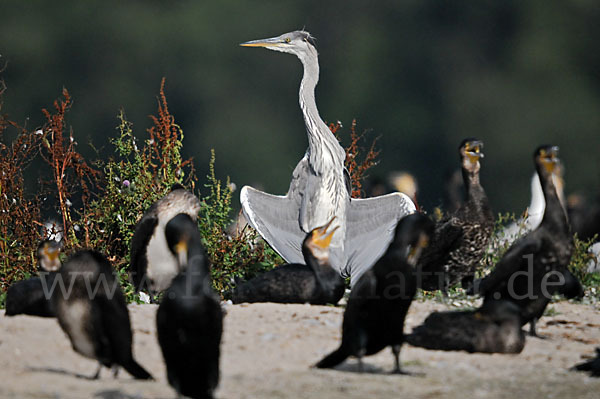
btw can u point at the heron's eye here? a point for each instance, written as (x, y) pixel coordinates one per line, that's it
(287, 40)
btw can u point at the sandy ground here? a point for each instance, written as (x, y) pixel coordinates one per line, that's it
(267, 350)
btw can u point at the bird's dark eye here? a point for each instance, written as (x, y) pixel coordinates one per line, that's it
(287, 40)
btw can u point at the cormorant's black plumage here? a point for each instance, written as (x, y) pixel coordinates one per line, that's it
(493, 328)
(32, 296)
(584, 216)
(91, 310)
(461, 238)
(189, 318)
(593, 365)
(316, 282)
(379, 301)
(535, 266)
(152, 265)
(29, 297)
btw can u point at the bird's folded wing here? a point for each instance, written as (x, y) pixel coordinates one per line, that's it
(445, 239)
(510, 263)
(276, 220)
(370, 225)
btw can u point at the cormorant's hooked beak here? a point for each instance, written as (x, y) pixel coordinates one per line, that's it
(473, 150)
(270, 42)
(181, 250)
(550, 159)
(51, 253)
(321, 238)
(415, 250)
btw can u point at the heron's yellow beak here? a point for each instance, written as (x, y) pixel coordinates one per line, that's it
(271, 42)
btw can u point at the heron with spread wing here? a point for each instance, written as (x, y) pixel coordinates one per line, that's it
(320, 187)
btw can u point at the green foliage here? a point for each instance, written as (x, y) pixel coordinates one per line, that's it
(137, 175)
(579, 267)
(579, 260)
(234, 252)
(499, 243)
(135, 180)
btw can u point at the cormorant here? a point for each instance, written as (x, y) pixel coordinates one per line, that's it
(535, 266)
(593, 365)
(91, 310)
(534, 212)
(32, 296)
(320, 187)
(189, 318)
(493, 328)
(316, 282)
(461, 238)
(453, 190)
(584, 216)
(378, 303)
(152, 265)
(594, 262)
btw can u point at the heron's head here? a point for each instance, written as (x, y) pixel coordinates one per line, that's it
(319, 239)
(413, 233)
(546, 160)
(470, 154)
(299, 43)
(47, 255)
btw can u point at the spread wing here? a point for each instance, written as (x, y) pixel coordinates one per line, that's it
(370, 225)
(276, 220)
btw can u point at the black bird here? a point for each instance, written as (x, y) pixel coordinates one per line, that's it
(379, 301)
(584, 216)
(316, 282)
(189, 319)
(535, 266)
(493, 328)
(152, 265)
(593, 365)
(91, 310)
(460, 238)
(32, 296)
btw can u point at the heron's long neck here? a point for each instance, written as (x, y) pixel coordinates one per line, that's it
(323, 147)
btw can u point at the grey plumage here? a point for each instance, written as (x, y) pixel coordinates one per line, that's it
(320, 187)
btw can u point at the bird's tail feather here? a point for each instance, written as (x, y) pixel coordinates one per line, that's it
(333, 359)
(137, 371)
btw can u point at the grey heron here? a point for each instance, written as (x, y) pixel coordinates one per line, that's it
(320, 187)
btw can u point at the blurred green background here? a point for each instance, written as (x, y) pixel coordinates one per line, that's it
(421, 74)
